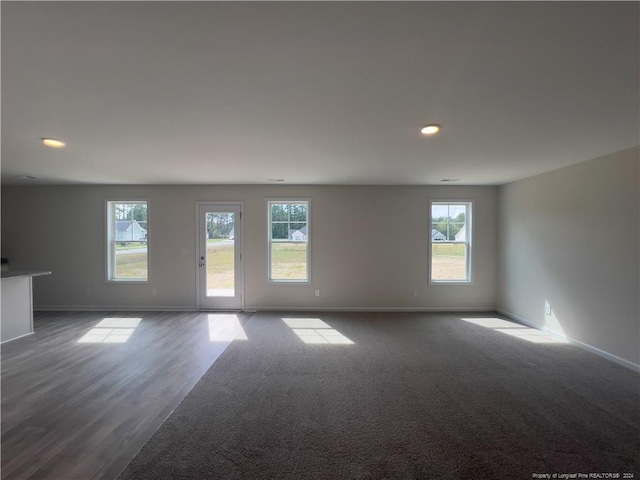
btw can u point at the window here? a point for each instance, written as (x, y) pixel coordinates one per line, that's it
(288, 240)
(127, 241)
(450, 254)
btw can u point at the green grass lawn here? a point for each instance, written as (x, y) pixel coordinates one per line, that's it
(220, 265)
(131, 265)
(130, 245)
(289, 261)
(449, 261)
(449, 249)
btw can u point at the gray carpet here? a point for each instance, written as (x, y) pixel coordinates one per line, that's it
(416, 396)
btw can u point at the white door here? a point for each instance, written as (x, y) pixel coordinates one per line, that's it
(220, 269)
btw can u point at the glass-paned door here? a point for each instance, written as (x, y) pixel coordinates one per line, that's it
(219, 256)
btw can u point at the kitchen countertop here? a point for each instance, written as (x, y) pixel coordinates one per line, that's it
(23, 273)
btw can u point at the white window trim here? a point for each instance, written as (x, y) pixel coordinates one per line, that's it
(468, 241)
(307, 281)
(110, 241)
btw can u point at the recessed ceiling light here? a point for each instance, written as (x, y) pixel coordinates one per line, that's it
(430, 129)
(53, 143)
(27, 177)
(275, 179)
(450, 180)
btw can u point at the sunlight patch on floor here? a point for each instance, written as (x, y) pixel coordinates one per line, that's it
(514, 329)
(111, 330)
(315, 331)
(225, 327)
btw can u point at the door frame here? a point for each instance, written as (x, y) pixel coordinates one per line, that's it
(240, 245)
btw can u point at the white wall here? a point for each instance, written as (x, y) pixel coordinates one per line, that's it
(369, 246)
(571, 238)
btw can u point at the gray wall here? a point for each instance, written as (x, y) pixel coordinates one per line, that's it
(571, 238)
(369, 246)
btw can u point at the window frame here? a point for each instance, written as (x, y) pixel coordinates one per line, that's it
(296, 200)
(469, 207)
(110, 237)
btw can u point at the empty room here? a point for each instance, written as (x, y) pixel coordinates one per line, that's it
(320, 240)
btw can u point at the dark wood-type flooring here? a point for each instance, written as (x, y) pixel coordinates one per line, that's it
(75, 410)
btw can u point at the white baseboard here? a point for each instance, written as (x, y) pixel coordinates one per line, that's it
(143, 308)
(370, 309)
(16, 338)
(112, 308)
(560, 336)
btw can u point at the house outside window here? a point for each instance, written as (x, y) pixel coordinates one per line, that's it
(127, 241)
(288, 241)
(450, 249)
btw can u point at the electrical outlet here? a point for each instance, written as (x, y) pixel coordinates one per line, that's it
(416, 293)
(317, 293)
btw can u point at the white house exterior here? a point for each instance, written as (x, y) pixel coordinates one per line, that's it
(300, 235)
(130, 230)
(461, 236)
(437, 236)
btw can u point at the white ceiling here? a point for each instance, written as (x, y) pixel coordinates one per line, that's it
(314, 92)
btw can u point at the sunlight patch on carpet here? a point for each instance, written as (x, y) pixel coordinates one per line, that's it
(315, 331)
(515, 330)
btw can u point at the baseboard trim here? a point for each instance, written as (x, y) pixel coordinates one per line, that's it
(370, 309)
(112, 308)
(146, 308)
(16, 338)
(585, 346)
